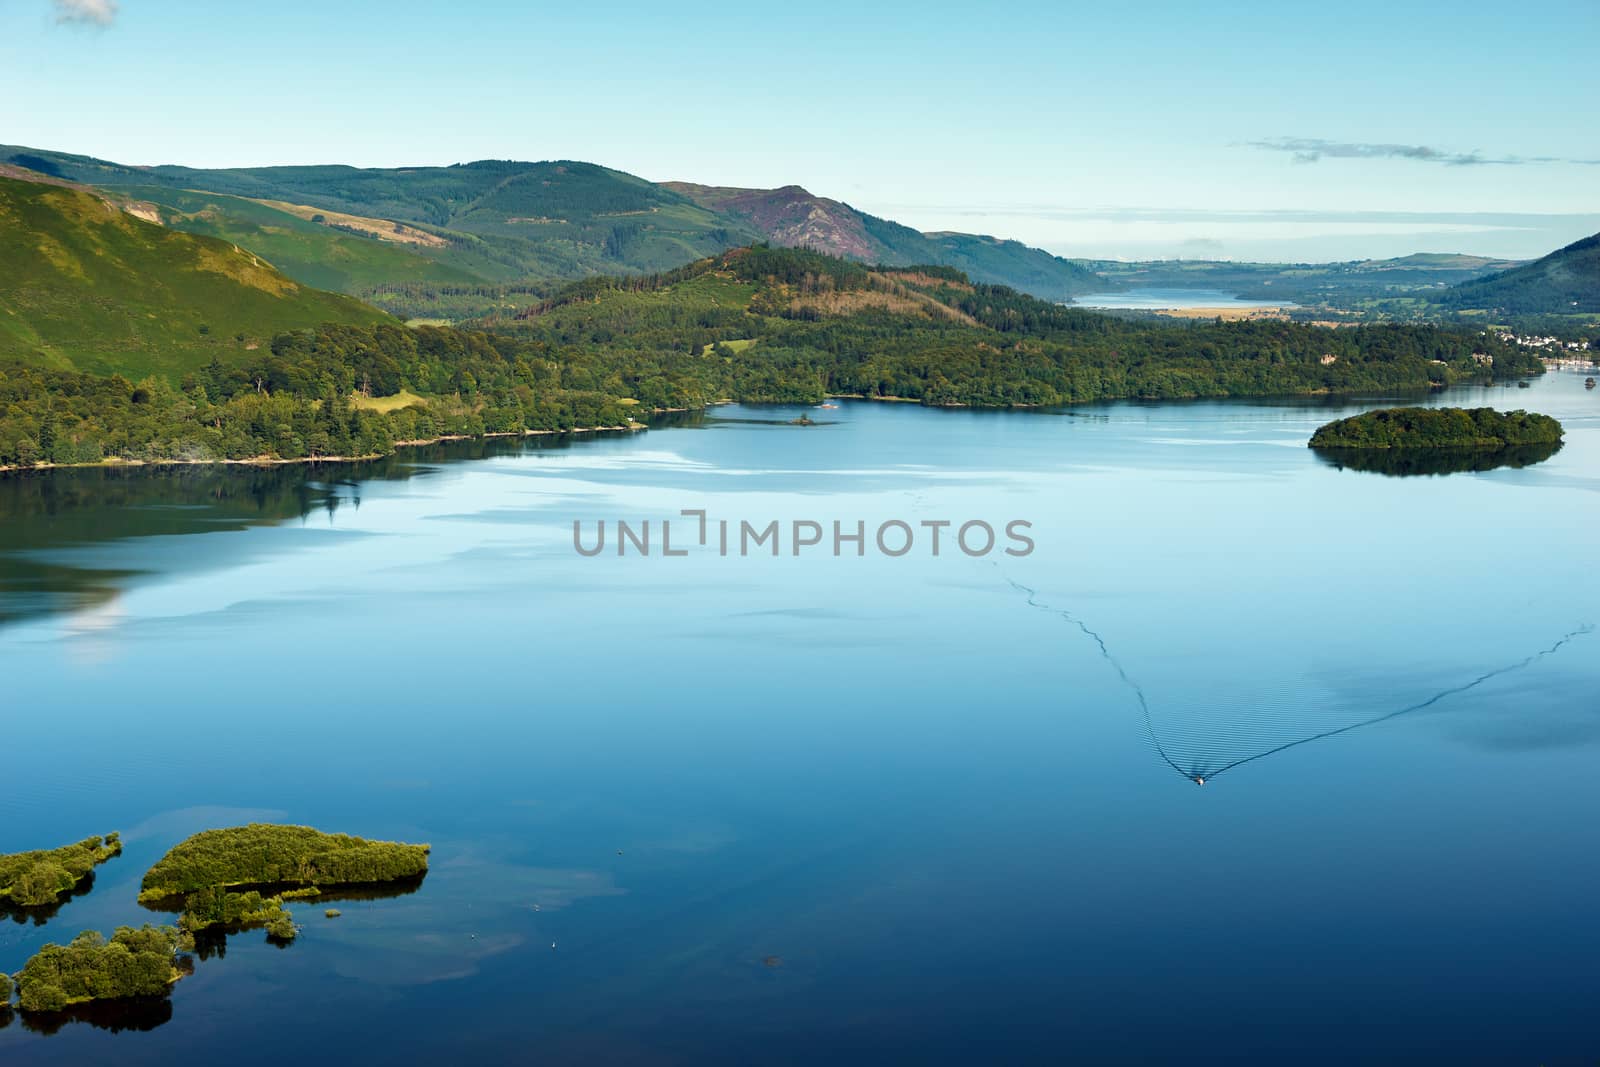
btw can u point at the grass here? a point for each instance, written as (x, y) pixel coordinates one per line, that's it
(86, 286)
(312, 253)
(404, 398)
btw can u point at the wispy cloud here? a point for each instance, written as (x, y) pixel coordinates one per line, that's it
(86, 12)
(1312, 149)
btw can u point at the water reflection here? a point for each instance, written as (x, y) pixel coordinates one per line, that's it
(42, 913)
(117, 1016)
(1401, 463)
(212, 941)
(86, 509)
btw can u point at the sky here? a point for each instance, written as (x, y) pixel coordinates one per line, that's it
(1245, 131)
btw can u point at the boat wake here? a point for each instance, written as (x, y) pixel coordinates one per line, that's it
(1236, 743)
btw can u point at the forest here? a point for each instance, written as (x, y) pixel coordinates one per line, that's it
(755, 325)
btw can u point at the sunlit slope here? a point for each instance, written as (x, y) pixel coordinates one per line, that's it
(86, 285)
(314, 249)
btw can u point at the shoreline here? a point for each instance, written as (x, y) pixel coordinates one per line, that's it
(278, 461)
(639, 427)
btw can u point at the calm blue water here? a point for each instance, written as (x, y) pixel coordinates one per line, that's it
(861, 809)
(1157, 299)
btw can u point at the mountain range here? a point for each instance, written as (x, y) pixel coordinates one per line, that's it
(396, 236)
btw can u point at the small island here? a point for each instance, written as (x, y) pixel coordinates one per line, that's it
(134, 963)
(265, 854)
(40, 878)
(1463, 428)
(1429, 441)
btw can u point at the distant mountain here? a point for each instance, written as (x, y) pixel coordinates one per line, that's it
(794, 218)
(1565, 281)
(85, 284)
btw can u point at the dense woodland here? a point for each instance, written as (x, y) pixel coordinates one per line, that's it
(757, 325)
(134, 963)
(1439, 428)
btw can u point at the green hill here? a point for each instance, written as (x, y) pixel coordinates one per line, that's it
(88, 286)
(1565, 281)
(492, 221)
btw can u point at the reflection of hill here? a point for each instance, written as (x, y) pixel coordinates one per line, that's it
(91, 508)
(1407, 462)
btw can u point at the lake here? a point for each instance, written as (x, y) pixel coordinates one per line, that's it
(877, 808)
(1156, 299)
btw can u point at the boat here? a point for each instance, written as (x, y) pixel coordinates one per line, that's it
(1588, 383)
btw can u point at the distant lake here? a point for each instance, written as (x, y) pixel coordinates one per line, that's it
(809, 809)
(1153, 299)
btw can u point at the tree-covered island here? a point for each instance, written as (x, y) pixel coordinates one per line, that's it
(1478, 429)
(202, 876)
(134, 963)
(40, 878)
(266, 854)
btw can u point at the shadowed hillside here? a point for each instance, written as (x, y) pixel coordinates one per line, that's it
(1567, 280)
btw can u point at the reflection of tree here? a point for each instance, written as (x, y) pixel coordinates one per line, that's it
(129, 1013)
(211, 942)
(43, 913)
(44, 511)
(1405, 462)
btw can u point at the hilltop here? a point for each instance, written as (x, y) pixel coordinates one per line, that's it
(795, 218)
(1565, 281)
(86, 285)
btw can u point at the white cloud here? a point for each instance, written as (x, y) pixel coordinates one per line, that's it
(86, 12)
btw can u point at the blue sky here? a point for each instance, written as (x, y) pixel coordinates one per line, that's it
(1090, 129)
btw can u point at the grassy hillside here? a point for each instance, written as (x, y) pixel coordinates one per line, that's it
(85, 285)
(490, 221)
(1566, 281)
(316, 250)
(791, 217)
